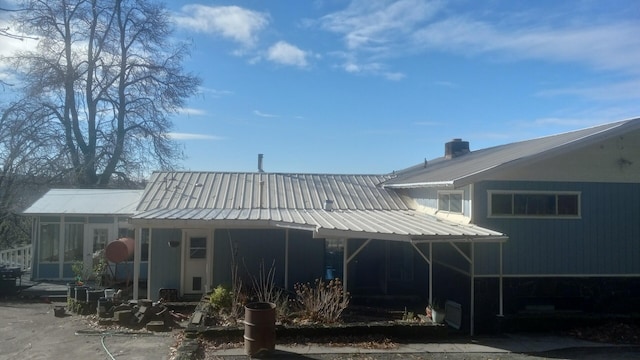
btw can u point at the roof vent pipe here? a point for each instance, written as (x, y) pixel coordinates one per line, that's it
(260, 156)
(328, 205)
(455, 148)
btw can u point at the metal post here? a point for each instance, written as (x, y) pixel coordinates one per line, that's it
(136, 262)
(501, 308)
(286, 259)
(345, 268)
(473, 287)
(149, 266)
(430, 273)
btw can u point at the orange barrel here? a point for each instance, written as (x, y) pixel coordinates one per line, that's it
(119, 250)
(259, 328)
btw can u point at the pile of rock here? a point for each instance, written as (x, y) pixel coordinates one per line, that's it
(138, 314)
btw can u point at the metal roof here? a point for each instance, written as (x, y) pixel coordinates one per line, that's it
(361, 208)
(463, 169)
(86, 202)
(378, 224)
(239, 190)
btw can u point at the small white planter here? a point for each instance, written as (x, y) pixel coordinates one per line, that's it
(437, 316)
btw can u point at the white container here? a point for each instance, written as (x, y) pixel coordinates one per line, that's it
(108, 293)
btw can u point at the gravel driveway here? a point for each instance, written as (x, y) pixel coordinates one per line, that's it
(31, 331)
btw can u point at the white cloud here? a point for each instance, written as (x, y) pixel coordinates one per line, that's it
(190, 136)
(261, 114)
(614, 91)
(231, 22)
(191, 111)
(375, 25)
(610, 46)
(287, 54)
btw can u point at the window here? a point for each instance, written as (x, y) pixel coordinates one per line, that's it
(74, 242)
(534, 204)
(450, 201)
(198, 247)
(49, 242)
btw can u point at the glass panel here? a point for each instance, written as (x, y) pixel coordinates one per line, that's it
(100, 239)
(443, 202)
(534, 204)
(501, 204)
(568, 204)
(74, 242)
(198, 247)
(49, 242)
(455, 203)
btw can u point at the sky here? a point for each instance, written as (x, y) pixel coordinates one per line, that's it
(369, 87)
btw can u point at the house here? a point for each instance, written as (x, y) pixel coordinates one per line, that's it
(204, 225)
(547, 224)
(70, 225)
(569, 204)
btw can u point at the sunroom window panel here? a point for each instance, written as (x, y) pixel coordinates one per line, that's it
(49, 242)
(74, 242)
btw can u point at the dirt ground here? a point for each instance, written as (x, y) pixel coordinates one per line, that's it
(31, 331)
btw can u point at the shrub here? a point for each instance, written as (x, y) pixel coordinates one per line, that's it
(323, 302)
(221, 298)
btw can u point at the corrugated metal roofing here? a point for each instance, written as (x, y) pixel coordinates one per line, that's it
(360, 206)
(458, 170)
(86, 202)
(383, 224)
(230, 190)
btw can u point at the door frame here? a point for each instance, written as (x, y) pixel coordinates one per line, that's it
(185, 259)
(88, 249)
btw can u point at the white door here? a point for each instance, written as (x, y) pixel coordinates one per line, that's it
(195, 262)
(96, 238)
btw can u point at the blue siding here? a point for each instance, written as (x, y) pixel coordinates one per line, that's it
(48, 271)
(606, 240)
(165, 261)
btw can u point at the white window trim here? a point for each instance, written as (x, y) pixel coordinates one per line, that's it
(539, 192)
(450, 192)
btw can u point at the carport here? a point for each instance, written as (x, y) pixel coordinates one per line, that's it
(417, 229)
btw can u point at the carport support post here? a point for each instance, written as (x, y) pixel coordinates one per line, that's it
(472, 307)
(345, 267)
(501, 307)
(430, 273)
(136, 262)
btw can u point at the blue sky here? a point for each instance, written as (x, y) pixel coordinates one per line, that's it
(335, 86)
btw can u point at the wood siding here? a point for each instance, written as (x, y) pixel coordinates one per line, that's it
(605, 240)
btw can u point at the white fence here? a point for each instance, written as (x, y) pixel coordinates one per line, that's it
(17, 257)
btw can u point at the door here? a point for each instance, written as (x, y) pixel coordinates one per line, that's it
(194, 279)
(96, 238)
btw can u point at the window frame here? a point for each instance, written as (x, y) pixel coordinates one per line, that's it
(514, 193)
(449, 193)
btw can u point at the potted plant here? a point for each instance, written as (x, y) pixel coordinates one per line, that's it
(435, 311)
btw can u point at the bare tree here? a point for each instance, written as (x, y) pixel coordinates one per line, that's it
(108, 78)
(29, 159)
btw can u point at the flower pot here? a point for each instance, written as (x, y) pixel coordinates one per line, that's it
(437, 316)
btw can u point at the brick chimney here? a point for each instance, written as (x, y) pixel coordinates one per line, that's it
(455, 148)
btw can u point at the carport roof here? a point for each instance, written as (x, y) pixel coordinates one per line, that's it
(401, 225)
